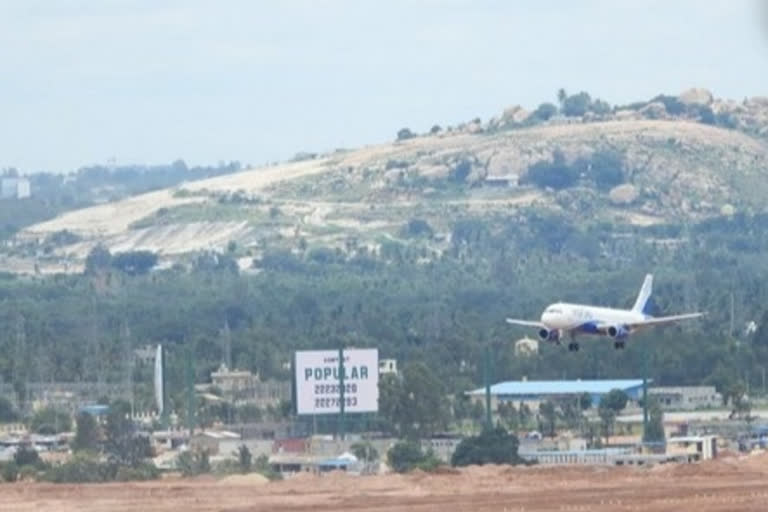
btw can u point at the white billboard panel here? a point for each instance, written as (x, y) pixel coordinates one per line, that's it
(317, 381)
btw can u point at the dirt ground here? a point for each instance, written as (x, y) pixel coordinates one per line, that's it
(727, 485)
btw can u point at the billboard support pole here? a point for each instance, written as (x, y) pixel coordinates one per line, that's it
(341, 394)
(190, 378)
(487, 379)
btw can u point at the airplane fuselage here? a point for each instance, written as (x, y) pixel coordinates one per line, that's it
(584, 319)
(572, 319)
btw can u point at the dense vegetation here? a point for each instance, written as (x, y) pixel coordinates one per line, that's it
(442, 313)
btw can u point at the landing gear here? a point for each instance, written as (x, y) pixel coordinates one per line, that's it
(618, 345)
(573, 347)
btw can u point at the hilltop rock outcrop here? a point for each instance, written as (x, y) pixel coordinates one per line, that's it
(696, 96)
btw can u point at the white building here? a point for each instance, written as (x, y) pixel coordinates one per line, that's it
(242, 386)
(15, 188)
(686, 398)
(388, 367)
(526, 347)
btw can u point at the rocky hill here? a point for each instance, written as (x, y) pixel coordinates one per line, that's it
(668, 159)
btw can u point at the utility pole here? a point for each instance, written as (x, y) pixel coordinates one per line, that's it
(487, 380)
(227, 335)
(128, 360)
(190, 381)
(733, 312)
(342, 418)
(645, 392)
(21, 363)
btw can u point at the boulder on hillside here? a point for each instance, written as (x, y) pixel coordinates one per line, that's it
(727, 210)
(474, 127)
(627, 115)
(437, 171)
(506, 163)
(623, 194)
(724, 106)
(760, 102)
(514, 114)
(696, 96)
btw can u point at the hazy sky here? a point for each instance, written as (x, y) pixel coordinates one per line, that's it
(151, 81)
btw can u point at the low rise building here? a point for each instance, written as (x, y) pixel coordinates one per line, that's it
(695, 448)
(532, 393)
(243, 387)
(145, 355)
(526, 347)
(686, 398)
(15, 188)
(505, 180)
(387, 367)
(215, 442)
(442, 446)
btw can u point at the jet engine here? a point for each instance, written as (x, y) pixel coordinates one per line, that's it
(547, 335)
(618, 331)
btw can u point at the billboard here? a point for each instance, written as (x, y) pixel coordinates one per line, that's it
(317, 381)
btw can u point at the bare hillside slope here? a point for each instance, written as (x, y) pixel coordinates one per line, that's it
(672, 169)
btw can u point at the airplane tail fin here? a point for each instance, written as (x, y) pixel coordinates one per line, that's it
(642, 302)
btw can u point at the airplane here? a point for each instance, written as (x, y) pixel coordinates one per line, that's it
(572, 319)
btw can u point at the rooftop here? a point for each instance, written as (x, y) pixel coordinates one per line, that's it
(559, 387)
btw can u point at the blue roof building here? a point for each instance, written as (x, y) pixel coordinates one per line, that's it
(95, 410)
(539, 390)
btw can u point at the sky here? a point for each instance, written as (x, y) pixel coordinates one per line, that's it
(149, 81)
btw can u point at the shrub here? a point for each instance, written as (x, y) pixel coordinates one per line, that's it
(26, 456)
(417, 228)
(706, 115)
(492, 446)
(577, 105)
(323, 256)
(50, 421)
(404, 134)
(606, 169)
(193, 463)
(28, 473)
(365, 451)
(81, 469)
(556, 174)
(281, 260)
(9, 471)
(406, 456)
(544, 112)
(261, 466)
(244, 459)
(600, 107)
(142, 472)
(134, 262)
(87, 435)
(460, 172)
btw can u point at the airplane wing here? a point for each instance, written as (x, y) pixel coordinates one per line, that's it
(661, 320)
(526, 323)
